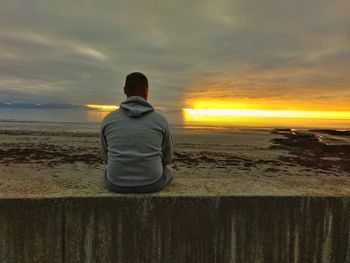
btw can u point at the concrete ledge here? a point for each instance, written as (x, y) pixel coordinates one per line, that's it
(146, 228)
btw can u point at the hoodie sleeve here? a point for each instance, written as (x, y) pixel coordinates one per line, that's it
(167, 146)
(103, 145)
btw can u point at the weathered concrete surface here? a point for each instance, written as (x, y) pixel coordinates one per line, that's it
(146, 228)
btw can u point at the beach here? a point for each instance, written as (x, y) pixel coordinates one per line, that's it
(62, 159)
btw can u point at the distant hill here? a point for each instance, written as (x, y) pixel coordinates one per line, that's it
(41, 106)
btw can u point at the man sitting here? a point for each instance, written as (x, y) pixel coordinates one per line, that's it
(136, 143)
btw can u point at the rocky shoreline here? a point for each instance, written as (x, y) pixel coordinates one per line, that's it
(307, 150)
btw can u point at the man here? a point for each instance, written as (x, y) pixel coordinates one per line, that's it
(136, 142)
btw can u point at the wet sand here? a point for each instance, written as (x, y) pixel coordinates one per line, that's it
(37, 162)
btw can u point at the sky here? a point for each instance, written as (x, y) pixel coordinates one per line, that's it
(267, 54)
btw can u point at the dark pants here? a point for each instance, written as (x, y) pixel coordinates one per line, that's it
(149, 188)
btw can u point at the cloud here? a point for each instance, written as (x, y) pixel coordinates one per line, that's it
(80, 51)
(33, 41)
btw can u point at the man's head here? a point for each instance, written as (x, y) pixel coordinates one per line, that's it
(136, 84)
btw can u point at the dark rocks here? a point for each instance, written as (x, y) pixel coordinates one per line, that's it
(307, 150)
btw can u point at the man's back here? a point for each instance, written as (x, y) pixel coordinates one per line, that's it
(135, 143)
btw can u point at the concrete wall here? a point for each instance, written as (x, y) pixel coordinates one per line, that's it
(148, 228)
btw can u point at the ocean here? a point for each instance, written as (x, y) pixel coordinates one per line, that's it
(176, 118)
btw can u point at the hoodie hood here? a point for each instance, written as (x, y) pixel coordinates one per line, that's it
(135, 106)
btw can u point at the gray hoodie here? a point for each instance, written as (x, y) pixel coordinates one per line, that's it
(135, 143)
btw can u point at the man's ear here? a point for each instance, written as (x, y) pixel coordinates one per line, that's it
(125, 91)
(145, 94)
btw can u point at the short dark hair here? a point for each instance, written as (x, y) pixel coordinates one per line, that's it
(136, 82)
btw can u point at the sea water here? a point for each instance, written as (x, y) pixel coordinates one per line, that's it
(92, 118)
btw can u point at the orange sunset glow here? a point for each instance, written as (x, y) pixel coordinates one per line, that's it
(262, 112)
(266, 104)
(102, 107)
(339, 115)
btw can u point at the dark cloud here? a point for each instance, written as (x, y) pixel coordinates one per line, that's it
(80, 51)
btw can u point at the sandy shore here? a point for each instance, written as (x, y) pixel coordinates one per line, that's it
(44, 163)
